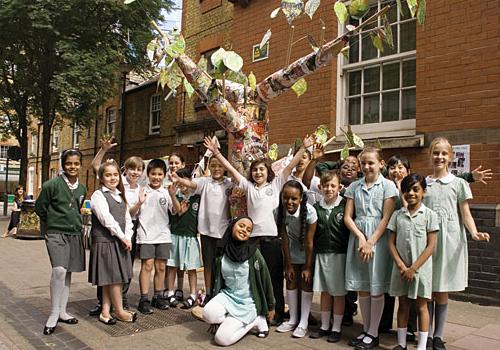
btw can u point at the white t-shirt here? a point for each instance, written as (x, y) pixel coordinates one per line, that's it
(131, 194)
(213, 216)
(154, 225)
(313, 193)
(261, 204)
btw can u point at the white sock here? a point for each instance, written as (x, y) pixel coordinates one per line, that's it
(291, 297)
(337, 323)
(63, 314)
(193, 296)
(422, 340)
(365, 306)
(57, 280)
(402, 336)
(170, 293)
(325, 320)
(305, 309)
(377, 308)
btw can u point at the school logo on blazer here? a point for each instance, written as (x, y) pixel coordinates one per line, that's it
(256, 265)
(339, 217)
(80, 200)
(269, 192)
(195, 206)
(163, 201)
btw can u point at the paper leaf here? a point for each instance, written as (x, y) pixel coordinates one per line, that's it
(188, 87)
(400, 8)
(341, 11)
(174, 77)
(265, 39)
(126, 2)
(176, 47)
(273, 152)
(217, 59)
(412, 6)
(377, 42)
(321, 134)
(233, 61)
(311, 7)
(237, 77)
(350, 27)
(252, 81)
(344, 153)
(300, 87)
(275, 12)
(357, 141)
(345, 51)
(388, 32)
(203, 63)
(313, 43)
(162, 80)
(421, 12)
(292, 9)
(358, 8)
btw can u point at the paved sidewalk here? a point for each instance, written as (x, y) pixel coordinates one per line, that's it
(25, 304)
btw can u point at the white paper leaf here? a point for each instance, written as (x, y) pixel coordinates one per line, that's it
(275, 12)
(311, 7)
(265, 39)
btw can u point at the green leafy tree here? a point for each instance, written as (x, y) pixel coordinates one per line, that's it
(62, 58)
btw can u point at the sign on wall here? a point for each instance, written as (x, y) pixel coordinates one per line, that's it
(460, 161)
(260, 54)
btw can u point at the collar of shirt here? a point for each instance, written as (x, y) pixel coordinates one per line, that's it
(421, 209)
(326, 206)
(296, 214)
(70, 185)
(149, 189)
(224, 180)
(446, 180)
(116, 191)
(377, 182)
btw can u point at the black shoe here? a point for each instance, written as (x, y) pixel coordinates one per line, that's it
(276, 321)
(334, 337)
(429, 345)
(145, 307)
(438, 344)
(312, 321)
(365, 346)
(357, 340)
(159, 303)
(399, 347)
(347, 321)
(72, 320)
(107, 321)
(172, 301)
(179, 295)
(320, 333)
(49, 330)
(96, 310)
(410, 337)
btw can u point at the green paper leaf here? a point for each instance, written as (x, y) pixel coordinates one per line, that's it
(252, 81)
(176, 47)
(217, 59)
(311, 7)
(203, 63)
(237, 77)
(275, 12)
(357, 141)
(421, 12)
(233, 61)
(321, 133)
(300, 87)
(265, 39)
(400, 8)
(126, 2)
(358, 8)
(174, 77)
(388, 38)
(341, 11)
(412, 6)
(273, 152)
(188, 87)
(162, 80)
(344, 153)
(377, 42)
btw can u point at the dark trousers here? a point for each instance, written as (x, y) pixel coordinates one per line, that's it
(388, 314)
(271, 250)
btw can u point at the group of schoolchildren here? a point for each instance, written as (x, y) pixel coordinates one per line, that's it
(321, 227)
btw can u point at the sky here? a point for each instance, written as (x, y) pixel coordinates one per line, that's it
(174, 18)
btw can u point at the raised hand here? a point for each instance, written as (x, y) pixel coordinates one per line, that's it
(308, 141)
(142, 196)
(482, 175)
(210, 144)
(107, 143)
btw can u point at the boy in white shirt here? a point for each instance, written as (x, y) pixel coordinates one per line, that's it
(153, 236)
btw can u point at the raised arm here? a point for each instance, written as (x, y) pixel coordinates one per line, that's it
(183, 181)
(211, 144)
(317, 154)
(106, 145)
(307, 142)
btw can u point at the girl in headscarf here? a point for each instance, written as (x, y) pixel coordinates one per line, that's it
(241, 286)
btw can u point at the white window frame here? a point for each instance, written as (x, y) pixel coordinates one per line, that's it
(154, 110)
(76, 135)
(56, 132)
(34, 143)
(399, 128)
(3, 151)
(31, 181)
(111, 123)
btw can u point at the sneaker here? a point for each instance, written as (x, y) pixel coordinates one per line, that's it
(399, 347)
(429, 345)
(286, 327)
(334, 337)
(95, 311)
(179, 295)
(159, 303)
(299, 332)
(438, 344)
(320, 333)
(145, 307)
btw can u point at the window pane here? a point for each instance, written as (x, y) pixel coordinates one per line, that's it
(390, 106)
(368, 51)
(370, 110)
(354, 83)
(409, 107)
(392, 50)
(408, 36)
(372, 79)
(391, 76)
(392, 15)
(355, 111)
(406, 12)
(370, 13)
(354, 49)
(409, 73)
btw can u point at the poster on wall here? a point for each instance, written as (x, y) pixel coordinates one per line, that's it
(460, 160)
(259, 54)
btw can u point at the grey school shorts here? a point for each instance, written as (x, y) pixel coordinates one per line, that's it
(160, 251)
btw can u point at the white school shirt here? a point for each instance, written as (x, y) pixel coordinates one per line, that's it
(261, 205)
(154, 224)
(100, 208)
(131, 194)
(313, 193)
(213, 216)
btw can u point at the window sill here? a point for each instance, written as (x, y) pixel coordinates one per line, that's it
(385, 143)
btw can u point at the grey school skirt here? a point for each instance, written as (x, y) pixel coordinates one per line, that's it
(66, 250)
(109, 263)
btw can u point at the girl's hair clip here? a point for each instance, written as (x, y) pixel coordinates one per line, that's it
(110, 160)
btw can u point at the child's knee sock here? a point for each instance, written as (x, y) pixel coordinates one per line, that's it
(377, 309)
(402, 336)
(441, 315)
(337, 323)
(305, 308)
(64, 298)
(365, 306)
(325, 320)
(422, 340)
(292, 298)
(56, 289)
(430, 307)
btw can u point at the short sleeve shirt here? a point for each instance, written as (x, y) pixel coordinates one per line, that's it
(262, 203)
(131, 194)
(154, 225)
(293, 229)
(213, 216)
